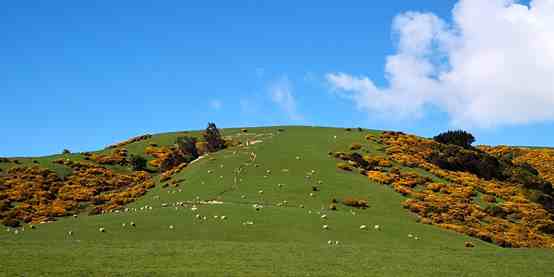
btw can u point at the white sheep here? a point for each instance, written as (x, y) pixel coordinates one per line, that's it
(324, 216)
(133, 224)
(416, 238)
(70, 233)
(337, 242)
(101, 229)
(171, 227)
(223, 217)
(298, 157)
(260, 191)
(312, 194)
(410, 235)
(377, 227)
(123, 225)
(243, 196)
(325, 227)
(329, 242)
(363, 227)
(216, 217)
(197, 216)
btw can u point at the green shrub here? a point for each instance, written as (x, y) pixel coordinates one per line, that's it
(187, 148)
(138, 163)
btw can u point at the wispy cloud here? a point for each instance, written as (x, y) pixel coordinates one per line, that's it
(492, 66)
(216, 104)
(281, 93)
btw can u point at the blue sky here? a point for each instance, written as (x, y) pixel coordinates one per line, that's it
(84, 74)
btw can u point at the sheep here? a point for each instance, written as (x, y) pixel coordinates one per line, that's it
(197, 216)
(101, 230)
(325, 227)
(297, 157)
(204, 218)
(319, 182)
(222, 217)
(123, 225)
(221, 166)
(336, 242)
(16, 232)
(410, 235)
(210, 171)
(469, 244)
(301, 206)
(312, 194)
(416, 238)
(329, 242)
(74, 216)
(324, 216)
(280, 185)
(335, 137)
(243, 196)
(70, 233)
(194, 208)
(268, 171)
(377, 227)
(216, 217)
(248, 223)
(171, 227)
(363, 227)
(260, 191)
(257, 207)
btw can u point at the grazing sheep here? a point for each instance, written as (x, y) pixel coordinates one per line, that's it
(216, 217)
(133, 224)
(268, 171)
(257, 207)
(335, 137)
(210, 171)
(171, 227)
(280, 185)
(102, 230)
(16, 232)
(243, 196)
(197, 216)
(416, 238)
(32, 226)
(123, 225)
(70, 233)
(325, 227)
(377, 227)
(74, 216)
(248, 223)
(324, 216)
(194, 208)
(319, 182)
(336, 242)
(204, 218)
(222, 217)
(410, 235)
(363, 227)
(260, 191)
(221, 166)
(298, 157)
(301, 206)
(329, 242)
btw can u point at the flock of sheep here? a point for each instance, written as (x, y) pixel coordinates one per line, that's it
(194, 206)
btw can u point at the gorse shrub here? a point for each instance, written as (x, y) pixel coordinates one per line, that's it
(459, 137)
(187, 148)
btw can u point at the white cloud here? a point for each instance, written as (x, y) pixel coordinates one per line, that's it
(492, 66)
(281, 94)
(216, 104)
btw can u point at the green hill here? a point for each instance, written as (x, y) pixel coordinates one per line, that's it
(285, 237)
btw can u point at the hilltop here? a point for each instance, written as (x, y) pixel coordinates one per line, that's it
(280, 201)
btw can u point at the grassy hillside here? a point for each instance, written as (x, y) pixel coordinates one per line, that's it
(284, 239)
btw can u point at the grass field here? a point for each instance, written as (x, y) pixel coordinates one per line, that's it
(284, 239)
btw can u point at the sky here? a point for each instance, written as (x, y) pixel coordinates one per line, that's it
(85, 74)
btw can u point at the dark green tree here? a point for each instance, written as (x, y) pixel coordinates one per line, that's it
(458, 137)
(213, 138)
